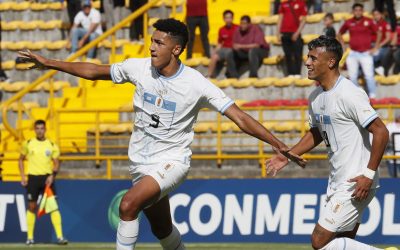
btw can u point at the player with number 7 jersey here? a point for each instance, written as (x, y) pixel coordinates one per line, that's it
(342, 117)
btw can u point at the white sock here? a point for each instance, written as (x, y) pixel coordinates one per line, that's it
(173, 241)
(347, 244)
(127, 234)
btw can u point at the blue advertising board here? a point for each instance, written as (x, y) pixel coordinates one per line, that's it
(230, 210)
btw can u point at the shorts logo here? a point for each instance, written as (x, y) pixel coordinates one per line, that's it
(168, 166)
(29, 196)
(336, 209)
(331, 221)
(161, 175)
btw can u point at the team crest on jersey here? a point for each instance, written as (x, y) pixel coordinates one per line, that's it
(366, 23)
(159, 102)
(296, 6)
(48, 152)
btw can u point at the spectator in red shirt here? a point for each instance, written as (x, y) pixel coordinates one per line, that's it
(381, 66)
(249, 45)
(361, 31)
(290, 24)
(225, 43)
(197, 16)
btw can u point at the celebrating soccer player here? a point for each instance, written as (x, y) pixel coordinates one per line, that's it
(167, 99)
(342, 117)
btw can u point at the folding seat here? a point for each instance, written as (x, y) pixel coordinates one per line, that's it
(265, 82)
(315, 18)
(244, 83)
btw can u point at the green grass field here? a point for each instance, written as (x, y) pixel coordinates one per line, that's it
(216, 246)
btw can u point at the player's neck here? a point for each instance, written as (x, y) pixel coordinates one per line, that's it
(170, 69)
(40, 138)
(330, 81)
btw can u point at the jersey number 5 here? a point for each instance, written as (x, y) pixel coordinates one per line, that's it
(156, 120)
(326, 139)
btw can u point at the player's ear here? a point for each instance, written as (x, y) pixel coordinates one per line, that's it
(332, 63)
(177, 50)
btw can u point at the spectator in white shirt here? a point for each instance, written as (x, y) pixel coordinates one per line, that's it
(86, 28)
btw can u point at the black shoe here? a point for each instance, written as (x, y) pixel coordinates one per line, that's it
(62, 241)
(29, 242)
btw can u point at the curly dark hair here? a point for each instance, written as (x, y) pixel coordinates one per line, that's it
(176, 29)
(330, 44)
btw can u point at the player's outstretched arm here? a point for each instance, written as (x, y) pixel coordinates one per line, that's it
(309, 141)
(85, 70)
(252, 127)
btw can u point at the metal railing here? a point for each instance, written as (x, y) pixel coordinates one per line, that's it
(219, 150)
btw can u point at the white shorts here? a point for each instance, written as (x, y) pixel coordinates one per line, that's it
(168, 175)
(341, 213)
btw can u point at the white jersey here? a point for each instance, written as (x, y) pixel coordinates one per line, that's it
(341, 115)
(166, 109)
(87, 20)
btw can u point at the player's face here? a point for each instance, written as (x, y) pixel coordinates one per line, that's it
(228, 19)
(40, 130)
(358, 12)
(318, 63)
(162, 49)
(377, 15)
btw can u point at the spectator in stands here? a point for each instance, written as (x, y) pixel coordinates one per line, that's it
(86, 28)
(249, 45)
(291, 22)
(277, 3)
(317, 5)
(394, 55)
(73, 8)
(225, 43)
(114, 10)
(3, 76)
(383, 46)
(136, 28)
(379, 5)
(197, 16)
(329, 30)
(394, 145)
(361, 30)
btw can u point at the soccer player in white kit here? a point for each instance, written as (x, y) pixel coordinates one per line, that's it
(342, 117)
(167, 99)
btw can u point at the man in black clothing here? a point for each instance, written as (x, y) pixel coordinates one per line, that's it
(379, 5)
(136, 28)
(3, 76)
